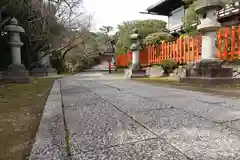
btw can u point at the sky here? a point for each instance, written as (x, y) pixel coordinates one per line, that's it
(114, 12)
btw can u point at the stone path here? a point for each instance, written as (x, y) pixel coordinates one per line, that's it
(107, 118)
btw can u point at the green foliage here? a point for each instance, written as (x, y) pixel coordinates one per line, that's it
(187, 2)
(104, 35)
(57, 62)
(106, 29)
(145, 27)
(156, 38)
(40, 28)
(191, 16)
(43, 27)
(168, 65)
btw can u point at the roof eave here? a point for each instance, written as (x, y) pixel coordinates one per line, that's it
(163, 4)
(155, 5)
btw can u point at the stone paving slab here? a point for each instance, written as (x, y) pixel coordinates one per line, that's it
(50, 139)
(93, 123)
(153, 149)
(121, 119)
(215, 108)
(197, 137)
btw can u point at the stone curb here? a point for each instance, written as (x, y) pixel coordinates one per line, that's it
(50, 139)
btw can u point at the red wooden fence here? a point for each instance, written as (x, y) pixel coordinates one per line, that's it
(187, 49)
(123, 60)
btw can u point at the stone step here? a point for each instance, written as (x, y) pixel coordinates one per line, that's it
(138, 74)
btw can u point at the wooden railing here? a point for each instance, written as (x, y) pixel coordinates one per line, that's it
(187, 49)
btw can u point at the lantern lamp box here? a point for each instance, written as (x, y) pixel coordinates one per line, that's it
(109, 54)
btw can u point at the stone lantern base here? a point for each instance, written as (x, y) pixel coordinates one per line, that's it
(209, 72)
(16, 74)
(135, 71)
(43, 71)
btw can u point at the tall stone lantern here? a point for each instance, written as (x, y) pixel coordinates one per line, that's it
(208, 27)
(209, 69)
(135, 47)
(16, 71)
(108, 55)
(135, 69)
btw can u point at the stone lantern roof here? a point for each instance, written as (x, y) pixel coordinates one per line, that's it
(207, 5)
(13, 26)
(135, 35)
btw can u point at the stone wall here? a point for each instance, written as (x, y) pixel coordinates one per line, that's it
(181, 71)
(155, 71)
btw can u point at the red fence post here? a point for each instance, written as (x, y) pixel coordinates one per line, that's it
(109, 66)
(219, 37)
(238, 42)
(233, 43)
(177, 50)
(226, 43)
(197, 48)
(181, 49)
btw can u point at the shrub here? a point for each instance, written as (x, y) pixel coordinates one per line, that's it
(168, 66)
(79, 67)
(154, 65)
(157, 38)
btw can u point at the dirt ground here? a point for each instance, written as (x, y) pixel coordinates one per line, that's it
(21, 107)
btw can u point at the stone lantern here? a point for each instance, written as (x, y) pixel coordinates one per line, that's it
(209, 69)
(112, 42)
(135, 68)
(208, 27)
(108, 56)
(135, 47)
(16, 71)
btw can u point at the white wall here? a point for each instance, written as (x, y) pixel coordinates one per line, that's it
(175, 20)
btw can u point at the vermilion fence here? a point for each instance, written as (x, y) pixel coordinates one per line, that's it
(229, 43)
(123, 60)
(187, 49)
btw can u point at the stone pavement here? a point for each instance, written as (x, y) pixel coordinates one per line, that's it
(104, 117)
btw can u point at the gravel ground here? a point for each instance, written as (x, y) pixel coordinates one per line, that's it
(110, 118)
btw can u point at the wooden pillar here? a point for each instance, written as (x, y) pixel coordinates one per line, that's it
(109, 66)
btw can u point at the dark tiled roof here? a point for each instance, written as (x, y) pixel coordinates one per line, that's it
(164, 7)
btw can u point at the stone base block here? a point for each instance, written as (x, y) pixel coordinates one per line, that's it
(155, 72)
(41, 72)
(16, 74)
(213, 72)
(134, 73)
(208, 68)
(138, 74)
(205, 81)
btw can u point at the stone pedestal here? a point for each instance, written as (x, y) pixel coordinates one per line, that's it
(209, 72)
(43, 71)
(45, 67)
(16, 73)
